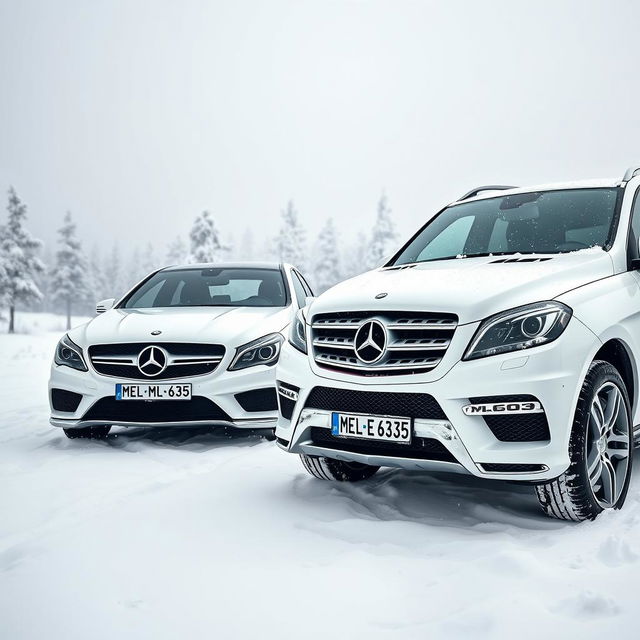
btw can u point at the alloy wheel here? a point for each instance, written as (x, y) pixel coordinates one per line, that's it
(607, 445)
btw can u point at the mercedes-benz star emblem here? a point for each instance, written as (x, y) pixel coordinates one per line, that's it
(370, 341)
(152, 361)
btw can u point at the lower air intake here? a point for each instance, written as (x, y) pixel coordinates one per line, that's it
(116, 411)
(383, 403)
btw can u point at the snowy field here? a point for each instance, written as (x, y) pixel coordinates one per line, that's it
(174, 534)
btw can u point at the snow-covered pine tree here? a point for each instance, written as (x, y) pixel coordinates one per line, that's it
(177, 251)
(70, 276)
(326, 268)
(20, 264)
(206, 245)
(383, 237)
(290, 244)
(97, 278)
(149, 261)
(134, 267)
(355, 257)
(114, 278)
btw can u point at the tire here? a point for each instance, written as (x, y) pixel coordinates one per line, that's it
(600, 450)
(269, 435)
(330, 469)
(95, 433)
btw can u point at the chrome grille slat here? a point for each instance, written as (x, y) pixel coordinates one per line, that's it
(114, 360)
(334, 343)
(425, 344)
(415, 342)
(394, 365)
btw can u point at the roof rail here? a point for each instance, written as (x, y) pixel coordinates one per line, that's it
(488, 187)
(631, 172)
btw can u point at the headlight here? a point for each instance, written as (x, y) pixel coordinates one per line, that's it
(69, 354)
(265, 350)
(520, 328)
(298, 333)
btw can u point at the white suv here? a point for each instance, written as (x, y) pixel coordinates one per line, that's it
(503, 340)
(190, 345)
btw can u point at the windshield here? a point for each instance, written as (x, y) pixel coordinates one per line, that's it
(217, 287)
(536, 222)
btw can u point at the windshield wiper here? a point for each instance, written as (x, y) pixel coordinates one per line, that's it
(461, 256)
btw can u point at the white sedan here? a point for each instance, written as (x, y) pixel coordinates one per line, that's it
(191, 345)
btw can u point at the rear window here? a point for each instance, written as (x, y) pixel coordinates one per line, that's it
(213, 287)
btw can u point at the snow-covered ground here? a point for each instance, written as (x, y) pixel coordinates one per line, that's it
(173, 534)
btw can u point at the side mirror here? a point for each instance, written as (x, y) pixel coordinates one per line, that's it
(104, 305)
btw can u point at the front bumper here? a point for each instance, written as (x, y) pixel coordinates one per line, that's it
(552, 373)
(220, 387)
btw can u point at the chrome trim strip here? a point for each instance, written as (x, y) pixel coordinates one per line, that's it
(544, 469)
(249, 423)
(352, 363)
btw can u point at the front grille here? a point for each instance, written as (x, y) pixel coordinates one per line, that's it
(415, 342)
(420, 448)
(66, 401)
(258, 400)
(523, 427)
(383, 403)
(184, 360)
(163, 411)
(511, 468)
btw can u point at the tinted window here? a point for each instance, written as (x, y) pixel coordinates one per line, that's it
(634, 236)
(216, 287)
(299, 289)
(538, 222)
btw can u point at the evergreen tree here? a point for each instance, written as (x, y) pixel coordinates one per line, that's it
(70, 279)
(149, 262)
(97, 278)
(206, 245)
(20, 264)
(114, 278)
(326, 270)
(290, 244)
(383, 238)
(355, 258)
(134, 270)
(177, 251)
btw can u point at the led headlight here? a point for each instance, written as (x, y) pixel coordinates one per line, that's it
(519, 328)
(69, 354)
(298, 333)
(265, 350)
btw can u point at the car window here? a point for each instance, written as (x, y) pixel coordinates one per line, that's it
(299, 289)
(305, 284)
(634, 234)
(449, 242)
(215, 287)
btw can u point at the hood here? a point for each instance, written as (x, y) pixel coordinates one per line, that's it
(472, 288)
(231, 326)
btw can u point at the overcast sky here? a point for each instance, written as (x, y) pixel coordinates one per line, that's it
(138, 115)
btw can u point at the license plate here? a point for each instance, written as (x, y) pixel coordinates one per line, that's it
(389, 428)
(153, 392)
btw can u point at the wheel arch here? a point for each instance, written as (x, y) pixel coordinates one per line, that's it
(617, 353)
